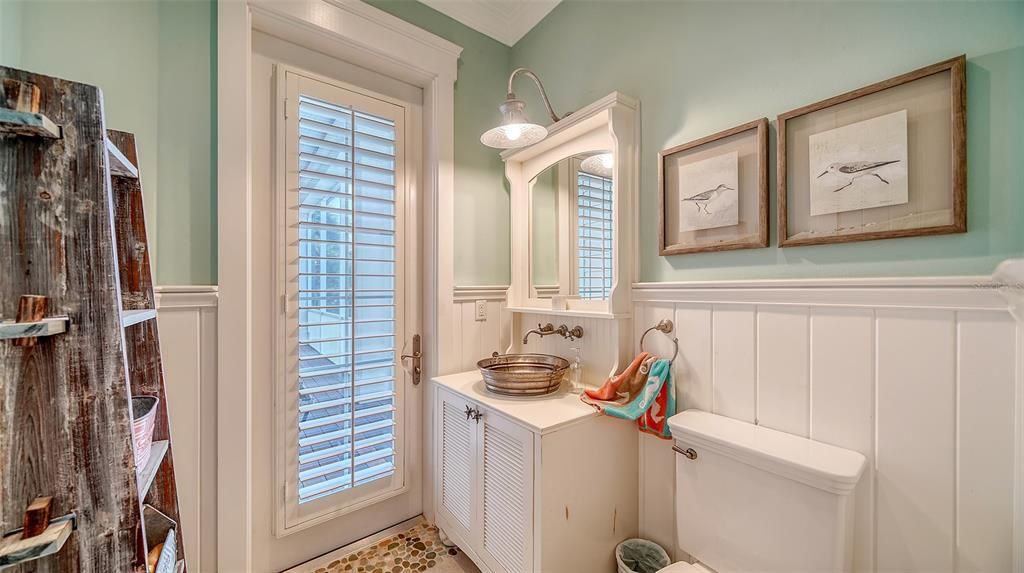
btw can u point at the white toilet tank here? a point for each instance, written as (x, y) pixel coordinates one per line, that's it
(756, 499)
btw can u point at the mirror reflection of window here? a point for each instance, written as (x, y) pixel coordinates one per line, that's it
(571, 228)
(594, 235)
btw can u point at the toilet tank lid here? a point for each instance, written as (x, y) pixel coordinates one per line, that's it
(817, 464)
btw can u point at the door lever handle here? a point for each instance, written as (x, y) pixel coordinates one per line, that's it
(417, 357)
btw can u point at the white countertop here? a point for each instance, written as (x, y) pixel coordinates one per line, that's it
(541, 415)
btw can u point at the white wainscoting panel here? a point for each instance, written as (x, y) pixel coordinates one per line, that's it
(187, 317)
(842, 404)
(916, 374)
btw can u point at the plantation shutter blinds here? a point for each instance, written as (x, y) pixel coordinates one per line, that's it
(346, 234)
(594, 235)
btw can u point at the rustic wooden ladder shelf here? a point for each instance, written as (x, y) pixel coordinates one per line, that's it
(45, 327)
(74, 249)
(28, 124)
(148, 473)
(130, 317)
(120, 165)
(14, 550)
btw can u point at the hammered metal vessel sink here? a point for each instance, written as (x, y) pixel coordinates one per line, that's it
(523, 374)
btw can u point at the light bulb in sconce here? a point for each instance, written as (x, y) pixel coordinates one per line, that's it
(600, 164)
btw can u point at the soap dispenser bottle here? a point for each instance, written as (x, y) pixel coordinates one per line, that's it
(575, 373)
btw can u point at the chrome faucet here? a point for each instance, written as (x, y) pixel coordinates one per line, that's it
(540, 330)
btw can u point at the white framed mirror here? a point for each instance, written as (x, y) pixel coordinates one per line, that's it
(573, 205)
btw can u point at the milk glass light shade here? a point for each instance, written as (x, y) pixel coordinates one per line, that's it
(600, 164)
(515, 129)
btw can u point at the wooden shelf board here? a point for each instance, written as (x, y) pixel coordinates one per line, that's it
(14, 549)
(130, 317)
(44, 327)
(119, 164)
(28, 124)
(148, 474)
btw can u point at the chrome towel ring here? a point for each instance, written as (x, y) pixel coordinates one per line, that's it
(665, 326)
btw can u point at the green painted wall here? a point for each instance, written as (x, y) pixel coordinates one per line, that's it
(10, 32)
(481, 195)
(697, 67)
(152, 59)
(700, 67)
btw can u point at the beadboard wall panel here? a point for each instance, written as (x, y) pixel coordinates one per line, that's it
(599, 348)
(919, 378)
(187, 317)
(475, 339)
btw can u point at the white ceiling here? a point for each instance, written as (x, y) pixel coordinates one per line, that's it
(504, 20)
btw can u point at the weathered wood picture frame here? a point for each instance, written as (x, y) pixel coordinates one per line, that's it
(897, 148)
(713, 192)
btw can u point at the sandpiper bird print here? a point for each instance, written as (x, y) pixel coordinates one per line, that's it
(702, 199)
(855, 170)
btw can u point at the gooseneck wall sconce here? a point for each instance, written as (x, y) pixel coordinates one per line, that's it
(515, 129)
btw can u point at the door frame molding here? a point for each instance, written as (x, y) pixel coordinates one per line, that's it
(366, 36)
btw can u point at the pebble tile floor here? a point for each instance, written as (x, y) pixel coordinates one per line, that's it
(418, 549)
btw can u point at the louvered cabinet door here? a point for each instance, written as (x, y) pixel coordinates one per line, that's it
(456, 465)
(506, 495)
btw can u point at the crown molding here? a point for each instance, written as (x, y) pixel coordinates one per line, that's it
(506, 21)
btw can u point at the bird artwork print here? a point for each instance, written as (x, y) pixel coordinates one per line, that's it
(854, 170)
(708, 196)
(862, 165)
(701, 200)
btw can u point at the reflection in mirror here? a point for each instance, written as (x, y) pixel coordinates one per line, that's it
(571, 228)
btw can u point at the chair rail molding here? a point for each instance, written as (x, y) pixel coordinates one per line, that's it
(360, 34)
(481, 292)
(961, 293)
(185, 296)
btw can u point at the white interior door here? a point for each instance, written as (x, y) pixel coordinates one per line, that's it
(347, 276)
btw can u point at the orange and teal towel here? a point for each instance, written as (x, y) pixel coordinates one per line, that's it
(651, 403)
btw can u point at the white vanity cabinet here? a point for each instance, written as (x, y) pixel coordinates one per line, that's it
(527, 485)
(486, 480)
